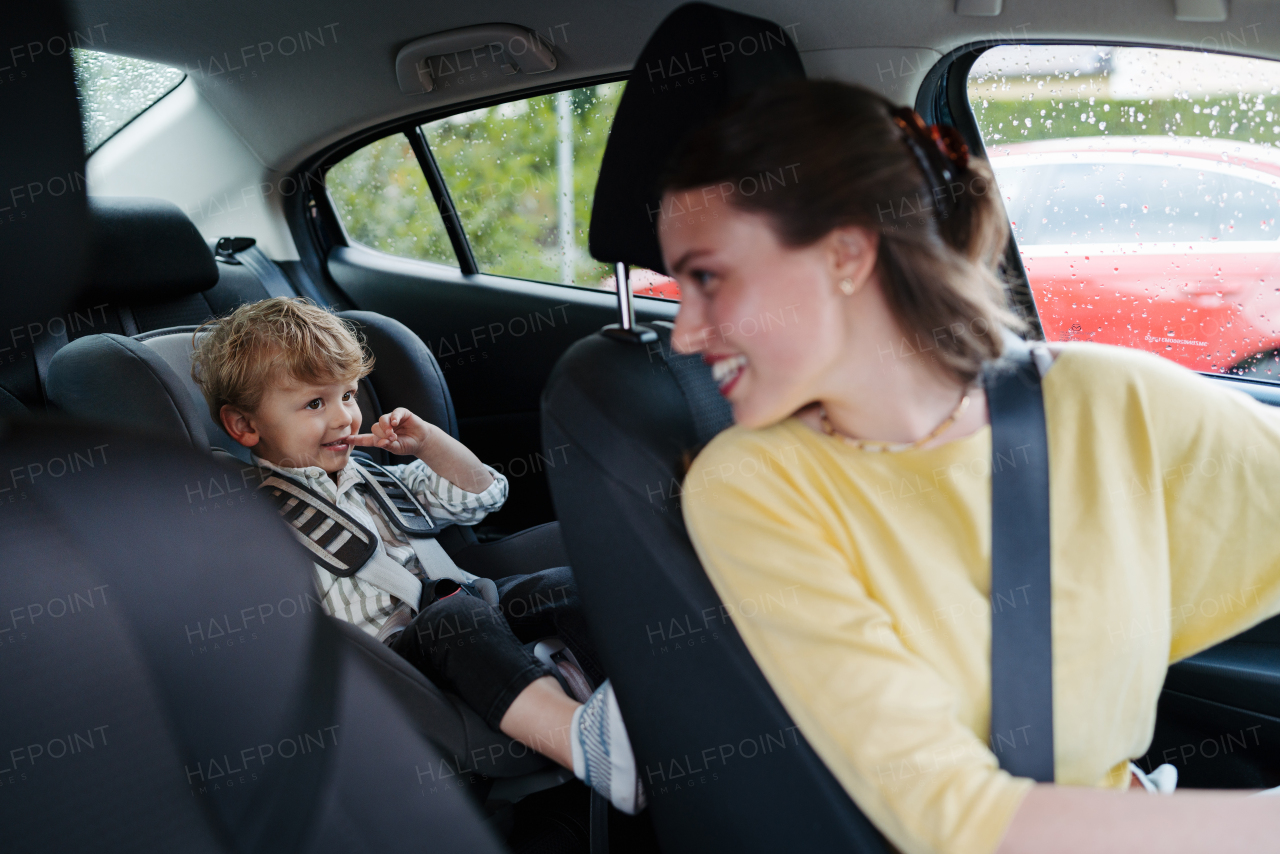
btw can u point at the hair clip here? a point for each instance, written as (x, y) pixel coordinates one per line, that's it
(946, 140)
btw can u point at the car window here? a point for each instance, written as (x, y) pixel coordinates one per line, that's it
(382, 198)
(115, 90)
(1142, 186)
(522, 176)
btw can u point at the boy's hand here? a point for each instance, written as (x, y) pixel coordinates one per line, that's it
(400, 432)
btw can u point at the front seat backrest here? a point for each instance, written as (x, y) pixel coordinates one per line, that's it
(725, 766)
(172, 679)
(168, 684)
(42, 170)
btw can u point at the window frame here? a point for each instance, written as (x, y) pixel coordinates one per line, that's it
(320, 219)
(943, 98)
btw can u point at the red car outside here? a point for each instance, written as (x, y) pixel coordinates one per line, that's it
(646, 283)
(1158, 243)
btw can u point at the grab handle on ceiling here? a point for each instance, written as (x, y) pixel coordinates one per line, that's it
(509, 48)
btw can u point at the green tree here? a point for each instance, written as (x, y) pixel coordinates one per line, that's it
(500, 165)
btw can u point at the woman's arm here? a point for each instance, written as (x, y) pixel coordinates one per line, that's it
(1069, 820)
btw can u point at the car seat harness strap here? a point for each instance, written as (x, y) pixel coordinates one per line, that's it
(335, 539)
(395, 499)
(1021, 612)
(345, 547)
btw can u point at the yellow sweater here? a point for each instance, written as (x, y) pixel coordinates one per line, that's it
(864, 578)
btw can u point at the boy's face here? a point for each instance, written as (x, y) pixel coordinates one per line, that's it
(299, 424)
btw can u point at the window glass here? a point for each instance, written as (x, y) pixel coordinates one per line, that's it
(1143, 187)
(1124, 199)
(382, 198)
(522, 176)
(114, 90)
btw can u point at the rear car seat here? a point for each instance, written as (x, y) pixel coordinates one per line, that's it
(143, 383)
(141, 380)
(149, 268)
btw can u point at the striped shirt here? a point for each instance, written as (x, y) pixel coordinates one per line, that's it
(354, 599)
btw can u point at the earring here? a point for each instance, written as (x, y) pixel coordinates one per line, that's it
(846, 287)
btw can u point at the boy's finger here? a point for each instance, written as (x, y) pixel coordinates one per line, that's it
(364, 439)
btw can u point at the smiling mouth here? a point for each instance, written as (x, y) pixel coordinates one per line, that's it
(338, 444)
(727, 371)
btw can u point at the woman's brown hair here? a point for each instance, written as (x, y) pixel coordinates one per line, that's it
(815, 156)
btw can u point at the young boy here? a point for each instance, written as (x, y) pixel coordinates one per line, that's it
(281, 377)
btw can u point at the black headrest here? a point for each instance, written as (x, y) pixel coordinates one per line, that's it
(43, 214)
(698, 60)
(144, 250)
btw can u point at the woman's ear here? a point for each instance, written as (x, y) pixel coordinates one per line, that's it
(238, 426)
(853, 251)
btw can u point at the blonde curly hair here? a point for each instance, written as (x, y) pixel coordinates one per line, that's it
(237, 357)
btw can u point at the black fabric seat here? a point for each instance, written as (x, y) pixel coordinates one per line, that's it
(168, 685)
(725, 766)
(147, 268)
(175, 686)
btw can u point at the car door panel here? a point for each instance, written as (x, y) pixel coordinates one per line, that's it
(1218, 719)
(496, 340)
(1214, 745)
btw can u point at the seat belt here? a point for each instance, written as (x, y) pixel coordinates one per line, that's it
(246, 252)
(1021, 613)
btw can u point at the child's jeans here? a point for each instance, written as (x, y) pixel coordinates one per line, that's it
(463, 643)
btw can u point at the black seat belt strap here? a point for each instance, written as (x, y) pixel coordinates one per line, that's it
(273, 281)
(1021, 614)
(245, 251)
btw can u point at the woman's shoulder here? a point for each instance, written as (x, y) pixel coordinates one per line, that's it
(1082, 367)
(756, 462)
(1117, 392)
(779, 442)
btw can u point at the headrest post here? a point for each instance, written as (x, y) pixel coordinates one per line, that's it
(626, 329)
(626, 311)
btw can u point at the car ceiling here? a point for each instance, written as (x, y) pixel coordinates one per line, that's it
(288, 107)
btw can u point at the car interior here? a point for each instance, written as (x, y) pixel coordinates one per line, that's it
(473, 188)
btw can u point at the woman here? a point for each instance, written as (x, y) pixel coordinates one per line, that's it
(836, 261)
